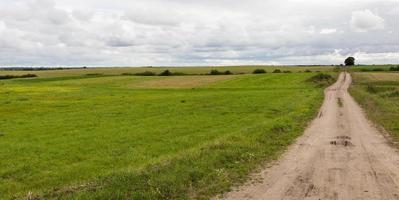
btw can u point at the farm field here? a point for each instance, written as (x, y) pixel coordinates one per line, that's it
(186, 70)
(118, 137)
(378, 93)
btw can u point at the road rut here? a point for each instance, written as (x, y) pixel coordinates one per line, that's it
(340, 156)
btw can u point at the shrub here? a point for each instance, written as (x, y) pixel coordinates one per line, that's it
(127, 74)
(228, 72)
(308, 71)
(18, 76)
(166, 73)
(394, 68)
(146, 73)
(277, 71)
(372, 70)
(179, 74)
(28, 76)
(259, 71)
(216, 72)
(322, 79)
(94, 74)
(287, 71)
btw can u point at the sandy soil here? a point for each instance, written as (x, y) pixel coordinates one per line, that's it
(340, 156)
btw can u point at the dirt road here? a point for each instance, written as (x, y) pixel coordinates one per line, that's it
(340, 156)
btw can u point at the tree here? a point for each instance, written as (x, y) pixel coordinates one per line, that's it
(215, 72)
(350, 61)
(228, 72)
(259, 71)
(166, 73)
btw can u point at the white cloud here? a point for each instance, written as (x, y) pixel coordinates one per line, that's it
(181, 32)
(327, 31)
(365, 20)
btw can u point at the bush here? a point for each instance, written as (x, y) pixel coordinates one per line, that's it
(94, 74)
(216, 72)
(394, 68)
(146, 73)
(308, 71)
(372, 70)
(259, 71)
(18, 76)
(28, 76)
(277, 71)
(178, 74)
(287, 71)
(322, 79)
(166, 73)
(228, 72)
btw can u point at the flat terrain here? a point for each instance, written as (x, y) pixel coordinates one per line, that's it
(378, 93)
(186, 70)
(85, 137)
(340, 156)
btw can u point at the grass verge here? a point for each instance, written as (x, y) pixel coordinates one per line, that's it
(378, 94)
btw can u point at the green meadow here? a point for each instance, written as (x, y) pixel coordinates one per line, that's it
(185, 70)
(134, 137)
(378, 93)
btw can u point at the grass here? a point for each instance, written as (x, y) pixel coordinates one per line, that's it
(378, 93)
(158, 70)
(138, 137)
(339, 102)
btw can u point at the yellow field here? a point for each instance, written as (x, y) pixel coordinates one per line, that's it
(377, 76)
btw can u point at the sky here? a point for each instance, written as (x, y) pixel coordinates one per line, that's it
(192, 32)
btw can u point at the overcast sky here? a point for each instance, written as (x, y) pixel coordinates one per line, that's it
(192, 32)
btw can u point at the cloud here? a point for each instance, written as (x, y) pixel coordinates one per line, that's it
(365, 20)
(327, 31)
(181, 32)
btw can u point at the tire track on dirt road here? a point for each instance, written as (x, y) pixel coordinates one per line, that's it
(340, 156)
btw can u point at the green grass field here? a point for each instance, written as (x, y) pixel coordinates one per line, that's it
(378, 93)
(186, 70)
(132, 137)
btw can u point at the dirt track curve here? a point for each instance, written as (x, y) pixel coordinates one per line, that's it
(340, 156)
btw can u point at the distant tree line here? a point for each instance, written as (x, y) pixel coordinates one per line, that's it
(38, 68)
(170, 73)
(17, 76)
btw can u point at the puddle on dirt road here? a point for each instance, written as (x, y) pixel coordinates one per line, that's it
(342, 140)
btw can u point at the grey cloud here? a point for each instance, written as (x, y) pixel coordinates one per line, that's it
(180, 32)
(365, 20)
